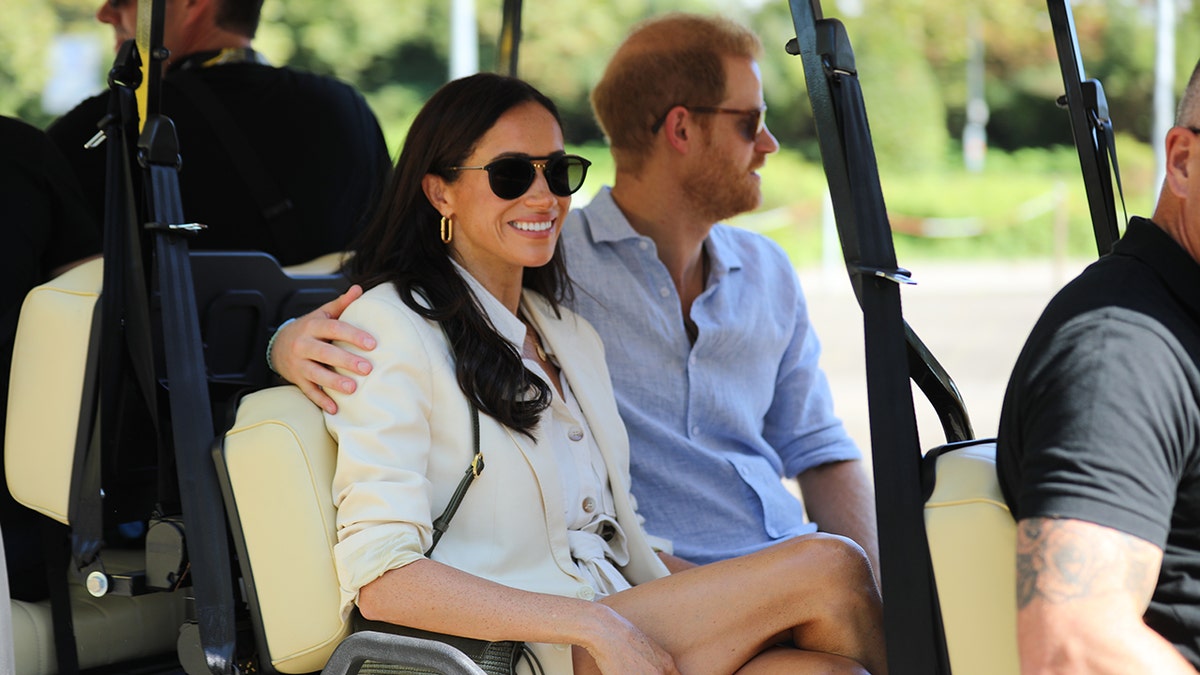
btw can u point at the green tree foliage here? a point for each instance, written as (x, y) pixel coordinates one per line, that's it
(908, 115)
(912, 55)
(27, 33)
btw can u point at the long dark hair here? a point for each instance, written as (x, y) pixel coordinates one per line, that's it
(402, 245)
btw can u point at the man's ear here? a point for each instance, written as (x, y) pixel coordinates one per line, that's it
(435, 189)
(195, 10)
(1181, 144)
(679, 128)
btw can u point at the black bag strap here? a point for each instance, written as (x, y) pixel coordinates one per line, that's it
(274, 206)
(443, 521)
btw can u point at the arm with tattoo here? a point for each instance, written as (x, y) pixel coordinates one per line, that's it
(1082, 589)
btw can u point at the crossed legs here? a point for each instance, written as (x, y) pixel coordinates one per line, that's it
(807, 605)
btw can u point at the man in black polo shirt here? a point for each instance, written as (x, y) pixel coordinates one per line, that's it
(273, 159)
(1099, 447)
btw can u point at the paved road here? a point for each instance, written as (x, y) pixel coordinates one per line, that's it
(973, 317)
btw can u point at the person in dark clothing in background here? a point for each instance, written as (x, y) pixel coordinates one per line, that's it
(47, 229)
(273, 159)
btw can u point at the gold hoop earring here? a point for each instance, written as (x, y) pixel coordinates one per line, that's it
(447, 229)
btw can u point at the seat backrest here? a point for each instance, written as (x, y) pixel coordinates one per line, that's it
(241, 298)
(276, 466)
(972, 542)
(50, 387)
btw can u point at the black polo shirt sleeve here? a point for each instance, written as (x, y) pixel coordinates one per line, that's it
(1107, 425)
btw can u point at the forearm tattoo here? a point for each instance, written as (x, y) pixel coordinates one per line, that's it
(1062, 560)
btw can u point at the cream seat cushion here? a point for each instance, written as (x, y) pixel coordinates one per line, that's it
(278, 463)
(49, 366)
(972, 541)
(108, 630)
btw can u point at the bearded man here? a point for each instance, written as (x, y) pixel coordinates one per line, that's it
(705, 328)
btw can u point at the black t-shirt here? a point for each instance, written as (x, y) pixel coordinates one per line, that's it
(315, 136)
(46, 225)
(1101, 420)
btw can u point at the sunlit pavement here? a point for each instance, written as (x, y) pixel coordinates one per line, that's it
(974, 317)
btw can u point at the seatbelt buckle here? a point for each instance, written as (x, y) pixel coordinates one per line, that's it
(176, 228)
(897, 275)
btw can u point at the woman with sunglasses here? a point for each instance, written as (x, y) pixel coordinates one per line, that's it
(464, 284)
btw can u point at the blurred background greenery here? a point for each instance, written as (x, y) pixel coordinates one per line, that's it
(1027, 200)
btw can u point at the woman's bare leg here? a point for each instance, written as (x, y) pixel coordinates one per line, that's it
(815, 592)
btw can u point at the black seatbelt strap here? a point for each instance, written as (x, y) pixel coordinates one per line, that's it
(54, 548)
(1108, 149)
(187, 386)
(910, 606)
(274, 206)
(915, 643)
(85, 504)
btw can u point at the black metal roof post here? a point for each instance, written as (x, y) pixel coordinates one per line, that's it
(915, 642)
(1091, 127)
(510, 38)
(926, 371)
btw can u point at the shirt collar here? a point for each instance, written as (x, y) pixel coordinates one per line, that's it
(1150, 244)
(606, 220)
(219, 57)
(608, 223)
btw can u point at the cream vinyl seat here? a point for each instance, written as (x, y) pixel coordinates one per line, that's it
(241, 297)
(276, 468)
(52, 382)
(972, 542)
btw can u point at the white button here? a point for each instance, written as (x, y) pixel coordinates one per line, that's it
(696, 431)
(664, 291)
(643, 245)
(585, 593)
(589, 505)
(575, 434)
(692, 360)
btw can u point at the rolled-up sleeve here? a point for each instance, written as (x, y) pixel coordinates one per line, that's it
(380, 487)
(801, 424)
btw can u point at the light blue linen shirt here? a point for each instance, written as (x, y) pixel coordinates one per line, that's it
(715, 425)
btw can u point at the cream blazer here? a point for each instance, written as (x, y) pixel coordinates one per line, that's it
(404, 440)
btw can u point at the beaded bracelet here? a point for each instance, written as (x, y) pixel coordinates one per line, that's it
(271, 343)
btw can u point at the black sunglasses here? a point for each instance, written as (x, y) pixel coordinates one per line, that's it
(510, 177)
(754, 119)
